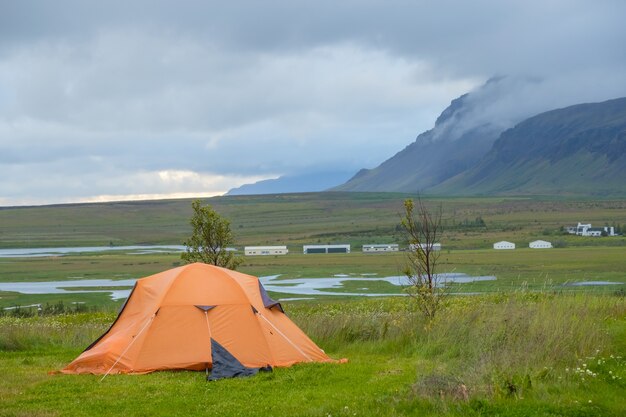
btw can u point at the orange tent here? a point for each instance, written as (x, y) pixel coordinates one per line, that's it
(178, 318)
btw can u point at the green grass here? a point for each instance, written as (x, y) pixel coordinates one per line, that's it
(529, 269)
(296, 219)
(514, 350)
(505, 354)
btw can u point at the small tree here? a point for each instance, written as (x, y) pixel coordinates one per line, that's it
(210, 238)
(423, 229)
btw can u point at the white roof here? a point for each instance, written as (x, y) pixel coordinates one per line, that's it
(264, 247)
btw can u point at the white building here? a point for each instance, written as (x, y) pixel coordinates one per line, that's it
(392, 247)
(540, 244)
(585, 229)
(265, 250)
(436, 246)
(326, 249)
(504, 245)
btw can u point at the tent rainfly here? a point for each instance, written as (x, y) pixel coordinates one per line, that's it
(198, 317)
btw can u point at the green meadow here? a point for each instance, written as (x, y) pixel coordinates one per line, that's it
(517, 354)
(526, 344)
(309, 218)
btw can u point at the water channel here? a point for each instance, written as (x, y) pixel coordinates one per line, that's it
(43, 252)
(293, 286)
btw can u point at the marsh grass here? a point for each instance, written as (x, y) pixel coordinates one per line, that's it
(496, 347)
(501, 354)
(68, 331)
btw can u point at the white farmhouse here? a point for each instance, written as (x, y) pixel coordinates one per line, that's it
(540, 244)
(582, 229)
(585, 229)
(384, 247)
(435, 246)
(265, 250)
(594, 231)
(504, 245)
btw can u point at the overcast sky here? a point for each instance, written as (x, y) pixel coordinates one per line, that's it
(104, 100)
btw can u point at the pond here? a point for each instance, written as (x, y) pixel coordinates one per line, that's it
(59, 287)
(135, 250)
(317, 286)
(297, 286)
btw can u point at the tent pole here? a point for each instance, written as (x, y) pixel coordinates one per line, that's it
(129, 345)
(286, 338)
(206, 314)
(208, 326)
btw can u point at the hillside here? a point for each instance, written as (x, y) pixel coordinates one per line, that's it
(303, 183)
(462, 135)
(484, 143)
(579, 149)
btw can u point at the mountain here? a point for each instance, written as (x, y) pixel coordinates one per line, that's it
(310, 182)
(462, 135)
(579, 149)
(486, 142)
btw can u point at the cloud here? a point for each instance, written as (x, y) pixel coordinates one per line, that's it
(98, 95)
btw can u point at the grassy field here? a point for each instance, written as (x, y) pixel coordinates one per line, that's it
(516, 354)
(529, 344)
(527, 269)
(296, 219)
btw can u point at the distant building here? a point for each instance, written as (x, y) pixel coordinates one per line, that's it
(582, 229)
(504, 245)
(392, 247)
(436, 246)
(326, 249)
(265, 250)
(594, 231)
(540, 244)
(585, 229)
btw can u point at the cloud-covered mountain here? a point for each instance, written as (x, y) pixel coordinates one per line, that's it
(463, 133)
(478, 147)
(579, 150)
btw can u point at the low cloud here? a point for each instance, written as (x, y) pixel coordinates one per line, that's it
(96, 99)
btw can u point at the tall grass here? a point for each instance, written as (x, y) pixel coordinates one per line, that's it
(488, 346)
(481, 351)
(62, 331)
